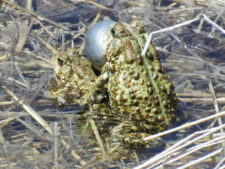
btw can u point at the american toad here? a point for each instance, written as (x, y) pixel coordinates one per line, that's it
(140, 92)
(73, 76)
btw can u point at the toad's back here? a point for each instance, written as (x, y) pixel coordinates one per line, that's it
(141, 90)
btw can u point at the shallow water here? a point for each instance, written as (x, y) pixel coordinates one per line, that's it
(190, 60)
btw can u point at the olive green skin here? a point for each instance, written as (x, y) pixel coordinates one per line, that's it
(141, 95)
(73, 77)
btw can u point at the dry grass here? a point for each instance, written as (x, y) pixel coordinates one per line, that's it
(34, 133)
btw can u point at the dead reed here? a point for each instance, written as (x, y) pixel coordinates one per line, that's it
(35, 133)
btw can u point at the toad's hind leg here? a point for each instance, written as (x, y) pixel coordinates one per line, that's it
(124, 135)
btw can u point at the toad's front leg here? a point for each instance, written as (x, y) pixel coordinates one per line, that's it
(98, 91)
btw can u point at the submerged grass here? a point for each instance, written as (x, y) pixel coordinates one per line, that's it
(35, 133)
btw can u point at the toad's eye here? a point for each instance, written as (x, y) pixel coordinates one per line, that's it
(60, 61)
(113, 32)
(118, 30)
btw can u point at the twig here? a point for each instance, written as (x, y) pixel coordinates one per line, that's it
(213, 142)
(36, 131)
(160, 158)
(98, 5)
(42, 25)
(149, 39)
(47, 44)
(220, 163)
(17, 82)
(29, 4)
(95, 130)
(24, 29)
(73, 153)
(30, 110)
(2, 140)
(185, 126)
(201, 159)
(165, 30)
(215, 103)
(213, 24)
(38, 16)
(156, 160)
(197, 99)
(55, 134)
(199, 95)
(81, 31)
(6, 121)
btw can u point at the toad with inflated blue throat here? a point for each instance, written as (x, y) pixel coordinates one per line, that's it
(137, 89)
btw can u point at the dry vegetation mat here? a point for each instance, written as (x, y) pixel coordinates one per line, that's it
(35, 133)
